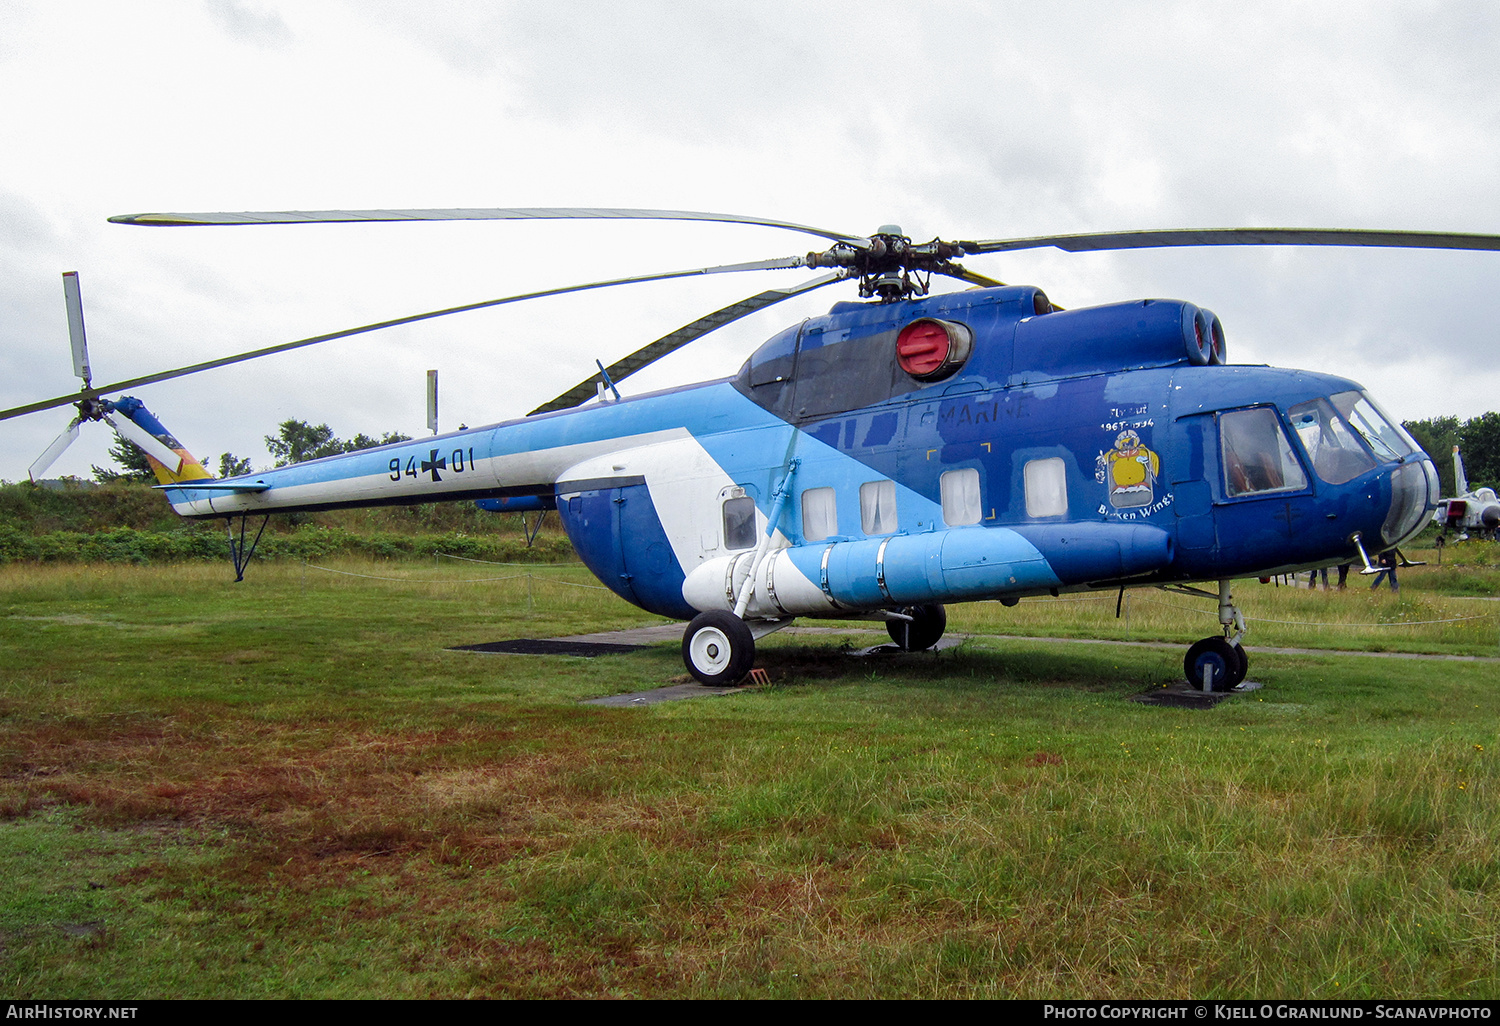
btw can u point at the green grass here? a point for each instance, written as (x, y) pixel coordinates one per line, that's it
(289, 788)
(1440, 609)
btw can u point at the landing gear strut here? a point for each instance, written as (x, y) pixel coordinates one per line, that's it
(1219, 663)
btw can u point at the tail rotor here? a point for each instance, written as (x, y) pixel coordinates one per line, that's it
(118, 415)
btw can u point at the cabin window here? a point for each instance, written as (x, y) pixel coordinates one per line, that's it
(877, 507)
(961, 502)
(820, 517)
(1335, 453)
(1257, 456)
(739, 523)
(1046, 487)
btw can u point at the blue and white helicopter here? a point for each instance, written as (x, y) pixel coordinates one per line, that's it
(895, 454)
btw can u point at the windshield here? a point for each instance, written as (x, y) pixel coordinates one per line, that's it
(1387, 440)
(1336, 454)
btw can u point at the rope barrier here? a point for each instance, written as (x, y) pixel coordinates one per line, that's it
(1317, 623)
(417, 580)
(462, 580)
(1393, 623)
(1263, 619)
(491, 562)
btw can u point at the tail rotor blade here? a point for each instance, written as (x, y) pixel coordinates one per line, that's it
(52, 452)
(74, 300)
(148, 442)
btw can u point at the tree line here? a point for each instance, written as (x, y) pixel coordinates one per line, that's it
(1477, 438)
(295, 441)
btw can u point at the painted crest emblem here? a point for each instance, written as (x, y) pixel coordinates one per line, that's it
(1130, 469)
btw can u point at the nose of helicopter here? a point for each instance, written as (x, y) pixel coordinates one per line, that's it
(1414, 495)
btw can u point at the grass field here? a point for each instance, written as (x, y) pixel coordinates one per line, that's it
(289, 788)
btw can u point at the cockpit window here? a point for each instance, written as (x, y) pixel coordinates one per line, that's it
(1257, 456)
(1336, 454)
(1388, 440)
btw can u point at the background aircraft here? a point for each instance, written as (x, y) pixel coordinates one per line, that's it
(1476, 510)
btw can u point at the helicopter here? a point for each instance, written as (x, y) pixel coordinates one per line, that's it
(903, 451)
(1475, 509)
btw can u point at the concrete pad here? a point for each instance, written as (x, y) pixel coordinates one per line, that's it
(547, 646)
(1183, 695)
(638, 636)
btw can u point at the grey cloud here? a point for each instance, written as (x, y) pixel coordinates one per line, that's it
(249, 23)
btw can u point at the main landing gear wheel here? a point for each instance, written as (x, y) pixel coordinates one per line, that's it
(1223, 664)
(922, 631)
(718, 648)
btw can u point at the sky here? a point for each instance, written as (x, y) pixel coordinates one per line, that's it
(950, 118)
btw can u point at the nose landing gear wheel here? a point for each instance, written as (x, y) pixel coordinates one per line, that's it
(718, 648)
(1214, 664)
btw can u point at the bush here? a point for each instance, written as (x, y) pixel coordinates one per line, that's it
(125, 523)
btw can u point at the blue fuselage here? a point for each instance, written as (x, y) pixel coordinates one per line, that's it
(1078, 449)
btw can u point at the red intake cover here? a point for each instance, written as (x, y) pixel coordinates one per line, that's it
(922, 348)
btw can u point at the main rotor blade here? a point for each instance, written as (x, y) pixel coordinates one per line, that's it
(52, 452)
(73, 300)
(148, 379)
(465, 214)
(649, 354)
(145, 441)
(1241, 237)
(964, 274)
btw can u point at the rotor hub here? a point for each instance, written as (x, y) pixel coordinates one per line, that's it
(889, 265)
(94, 409)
